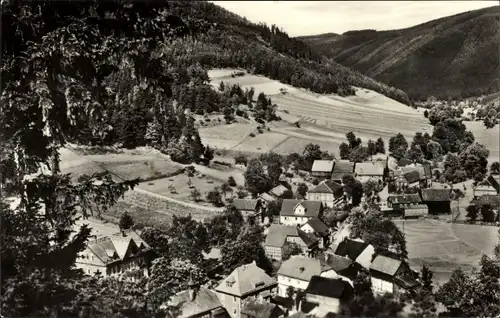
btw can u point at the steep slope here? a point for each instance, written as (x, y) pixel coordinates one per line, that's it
(456, 56)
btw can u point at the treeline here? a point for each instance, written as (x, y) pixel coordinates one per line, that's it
(234, 42)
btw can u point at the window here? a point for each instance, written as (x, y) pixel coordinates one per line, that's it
(234, 298)
(234, 311)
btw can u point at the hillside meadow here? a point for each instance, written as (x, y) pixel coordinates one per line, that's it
(325, 119)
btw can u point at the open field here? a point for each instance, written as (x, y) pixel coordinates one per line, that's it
(226, 136)
(446, 246)
(261, 142)
(368, 114)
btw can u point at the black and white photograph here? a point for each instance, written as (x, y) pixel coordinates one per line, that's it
(249, 159)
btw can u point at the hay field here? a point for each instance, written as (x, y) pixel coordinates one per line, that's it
(261, 143)
(368, 113)
(446, 246)
(226, 136)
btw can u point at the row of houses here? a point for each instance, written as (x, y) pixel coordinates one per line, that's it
(335, 170)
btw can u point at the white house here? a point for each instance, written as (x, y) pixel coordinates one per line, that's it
(357, 251)
(319, 229)
(116, 254)
(297, 271)
(390, 275)
(327, 192)
(298, 212)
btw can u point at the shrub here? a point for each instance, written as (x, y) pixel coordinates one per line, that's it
(315, 181)
(252, 135)
(241, 160)
(240, 113)
(215, 197)
(190, 170)
(260, 130)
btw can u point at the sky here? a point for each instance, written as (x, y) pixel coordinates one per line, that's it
(315, 17)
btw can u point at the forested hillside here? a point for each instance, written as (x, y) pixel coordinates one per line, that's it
(455, 56)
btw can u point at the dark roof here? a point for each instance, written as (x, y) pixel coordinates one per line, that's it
(337, 262)
(318, 226)
(436, 195)
(339, 175)
(312, 207)
(406, 281)
(495, 182)
(282, 301)
(404, 162)
(493, 200)
(308, 238)
(404, 198)
(351, 248)
(343, 166)
(412, 176)
(327, 186)
(256, 309)
(245, 204)
(329, 287)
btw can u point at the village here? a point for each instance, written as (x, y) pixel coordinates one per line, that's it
(309, 241)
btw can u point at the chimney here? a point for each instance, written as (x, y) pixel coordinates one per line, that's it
(302, 269)
(123, 232)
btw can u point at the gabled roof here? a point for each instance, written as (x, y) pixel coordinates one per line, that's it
(404, 198)
(244, 280)
(351, 248)
(436, 195)
(205, 300)
(278, 233)
(318, 226)
(256, 309)
(412, 176)
(494, 180)
(369, 168)
(337, 262)
(245, 204)
(404, 162)
(385, 265)
(312, 208)
(323, 166)
(330, 287)
(278, 190)
(302, 268)
(327, 186)
(344, 166)
(116, 247)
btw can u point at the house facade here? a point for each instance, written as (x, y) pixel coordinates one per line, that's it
(322, 168)
(438, 201)
(246, 283)
(389, 275)
(298, 212)
(279, 236)
(296, 272)
(400, 202)
(374, 170)
(318, 228)
(249, 209)
(327, 192)
(123, 253)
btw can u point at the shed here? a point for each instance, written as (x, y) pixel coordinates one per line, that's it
(437, 200)
(322, 168)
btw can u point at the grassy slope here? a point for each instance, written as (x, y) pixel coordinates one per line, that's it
(452, 56)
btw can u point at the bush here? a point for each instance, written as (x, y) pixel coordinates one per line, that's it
(240, 113)
(260, 130)
(190, 170)
(252, 135)
(240, 160)
(215, 197)
(241, 193)
(315, 181)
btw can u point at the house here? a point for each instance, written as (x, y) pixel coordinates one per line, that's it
(411, 179)
(343, 266)
(484, 188)
(247, 282)
(357, 251)
(399, 202)
(365, 171)
(198, 302)
(491, 200)
(278, 191)
(248, 208)
(258, 309)
(279, 235)
(318, 228)
(403, 162)
(296, 272)
(390, 275)
(327, 192)
(298, 212)
(322, 168)
(342, 168)
(120, 253)
(437, 200)
(328, 294)
(415, 211)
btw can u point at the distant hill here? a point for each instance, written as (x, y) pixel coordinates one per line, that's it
(456, 56)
